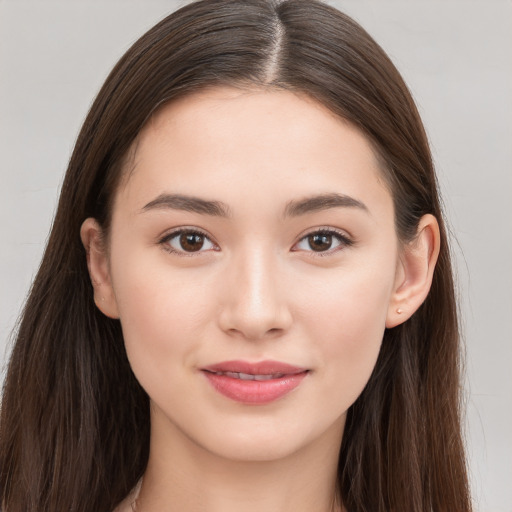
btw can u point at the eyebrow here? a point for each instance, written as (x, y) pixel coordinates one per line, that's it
(188, 204)
(293, 208)
(322, 202)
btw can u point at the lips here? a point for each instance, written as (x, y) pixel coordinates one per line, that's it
(248, 376)
(254, 383)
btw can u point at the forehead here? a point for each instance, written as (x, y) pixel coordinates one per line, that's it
(226, 141)
(238, 114)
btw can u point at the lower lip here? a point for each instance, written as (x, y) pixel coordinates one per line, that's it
(254, 391)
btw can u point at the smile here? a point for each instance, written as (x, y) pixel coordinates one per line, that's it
(249, 376)
(254, 383)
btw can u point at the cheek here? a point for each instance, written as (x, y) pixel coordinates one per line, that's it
(347, 321)
(162, 315)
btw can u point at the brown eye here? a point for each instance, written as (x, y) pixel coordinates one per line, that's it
(183, 242)
(191, 242)
(320, 241)
(323, 241)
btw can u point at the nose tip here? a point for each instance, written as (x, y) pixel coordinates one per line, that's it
(255, 306)
(253, 324)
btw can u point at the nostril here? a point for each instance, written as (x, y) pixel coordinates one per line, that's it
(253, 333)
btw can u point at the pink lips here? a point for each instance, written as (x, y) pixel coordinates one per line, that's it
(254, 383)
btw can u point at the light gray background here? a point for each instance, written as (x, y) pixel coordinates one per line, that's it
(457, 59)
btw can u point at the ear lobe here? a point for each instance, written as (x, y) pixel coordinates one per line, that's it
(99, 271)
(415, 272)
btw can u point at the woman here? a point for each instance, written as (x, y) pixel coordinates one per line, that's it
(246, 299)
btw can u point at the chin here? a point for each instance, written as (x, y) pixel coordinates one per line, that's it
(268, 442)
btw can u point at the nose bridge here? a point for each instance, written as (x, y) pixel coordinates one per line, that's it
(255, 303)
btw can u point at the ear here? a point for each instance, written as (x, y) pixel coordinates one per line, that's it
(98, 265)
(414, 272)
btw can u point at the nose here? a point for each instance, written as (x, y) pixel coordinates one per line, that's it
(253, 301)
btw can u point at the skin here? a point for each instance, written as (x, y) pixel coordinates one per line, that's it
(256, 290)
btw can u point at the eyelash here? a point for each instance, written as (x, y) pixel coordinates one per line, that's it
(182, 231)
(344, 241)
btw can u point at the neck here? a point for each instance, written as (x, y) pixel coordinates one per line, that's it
(184, 476)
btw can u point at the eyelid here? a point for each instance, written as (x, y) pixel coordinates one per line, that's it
(346, 240)
(164, 239)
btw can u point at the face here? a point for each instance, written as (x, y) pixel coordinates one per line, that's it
(253, 262)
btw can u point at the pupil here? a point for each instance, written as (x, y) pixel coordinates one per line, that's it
(191, 241)
(320, 242)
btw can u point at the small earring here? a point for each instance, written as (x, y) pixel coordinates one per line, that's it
(399, 311)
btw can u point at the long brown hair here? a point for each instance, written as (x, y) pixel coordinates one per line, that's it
(74, 426)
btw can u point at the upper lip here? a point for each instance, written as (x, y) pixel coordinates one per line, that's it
(257, 368)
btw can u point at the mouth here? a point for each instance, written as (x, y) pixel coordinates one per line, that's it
(254, 383)
(250, 376)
